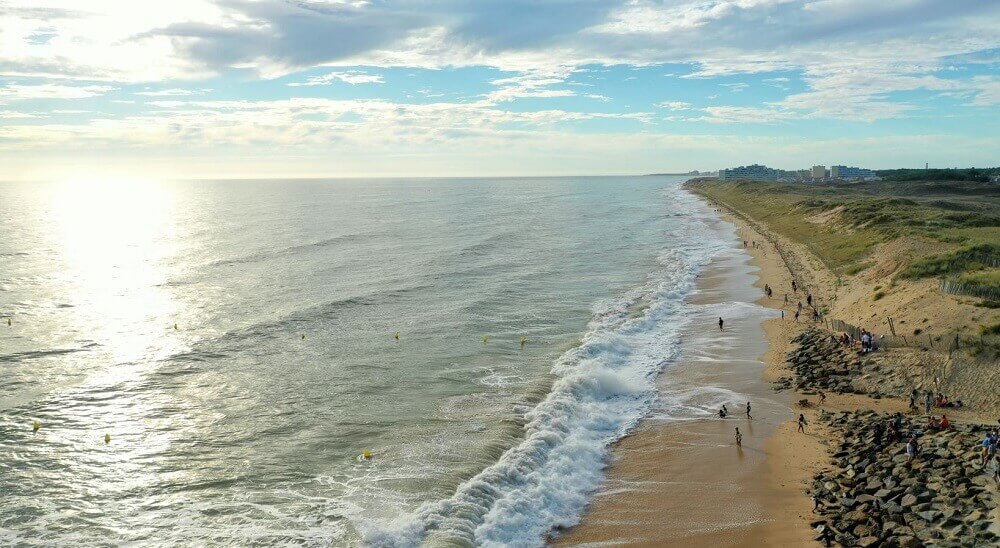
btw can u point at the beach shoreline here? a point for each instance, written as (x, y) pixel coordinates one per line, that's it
(672, 482)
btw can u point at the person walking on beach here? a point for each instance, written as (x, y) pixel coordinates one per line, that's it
(928, 401)
(739, 437)
(748, 411)
(822, 397)
(802, 423)
(720, 323)
(795, 287)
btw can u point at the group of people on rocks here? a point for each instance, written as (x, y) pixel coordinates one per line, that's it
(891, 429)
(932, 401)
(869, 342)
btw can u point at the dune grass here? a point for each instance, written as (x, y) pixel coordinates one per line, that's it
(841, 223)
(965, 260)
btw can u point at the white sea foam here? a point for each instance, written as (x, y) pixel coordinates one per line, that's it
(603, 387)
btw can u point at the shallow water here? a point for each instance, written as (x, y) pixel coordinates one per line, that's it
(243, 424)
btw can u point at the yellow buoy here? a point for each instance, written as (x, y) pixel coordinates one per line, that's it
(36, 426)
(107, 438)
(486, 338)
(524, 341)
(397, 335)
(366, 454)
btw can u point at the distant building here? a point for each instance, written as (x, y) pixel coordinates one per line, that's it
(818, 172)
(754, 172)
(850, 173)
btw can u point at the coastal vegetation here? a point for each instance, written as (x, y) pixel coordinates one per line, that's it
(970, 174)
(953, 225)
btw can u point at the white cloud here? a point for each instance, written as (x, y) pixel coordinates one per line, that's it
(674, 105)
(535, 84)
(302, 123)
(10, 114)
(987, 91)
(173, 92)
(737, 87)
(352, 77)
(734, 114)
(852, 58)
(51, 91)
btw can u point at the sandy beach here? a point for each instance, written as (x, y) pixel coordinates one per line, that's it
(687, 481)
(673, 482)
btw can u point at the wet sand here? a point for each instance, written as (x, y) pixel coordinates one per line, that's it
(671, 482)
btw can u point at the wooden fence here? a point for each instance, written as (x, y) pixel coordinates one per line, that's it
(889, 338)
(971, 290)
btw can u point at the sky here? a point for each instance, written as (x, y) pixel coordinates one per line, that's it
(357, 88)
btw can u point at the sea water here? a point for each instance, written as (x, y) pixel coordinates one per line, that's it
(237, 340)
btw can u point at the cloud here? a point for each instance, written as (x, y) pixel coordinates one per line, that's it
(745, 115)
(852, 60)
(303, 123)
(51, 91)
(10, 114)
(535, 84)
(674, 105)
(173, 92)
(352, 77)
(987, 91)
(737, 87)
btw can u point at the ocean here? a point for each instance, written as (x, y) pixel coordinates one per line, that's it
(237, 340)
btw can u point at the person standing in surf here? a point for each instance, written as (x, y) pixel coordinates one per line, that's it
(739, 437)
(720, 323)
(748, 411)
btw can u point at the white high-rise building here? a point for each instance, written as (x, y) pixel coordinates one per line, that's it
(848, 173)
(754, 172)
(818, 172)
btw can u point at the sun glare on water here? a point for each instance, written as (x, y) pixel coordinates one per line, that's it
(112, 238)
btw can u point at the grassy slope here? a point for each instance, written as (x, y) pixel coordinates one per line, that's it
(841, 223)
